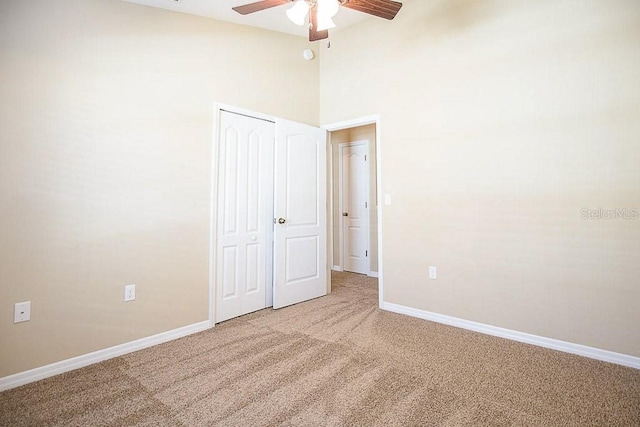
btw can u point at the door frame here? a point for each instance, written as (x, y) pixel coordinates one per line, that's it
(347, 124)
(341, 148)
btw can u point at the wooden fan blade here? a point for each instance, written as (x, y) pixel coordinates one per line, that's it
(258, 6)
(386, 9)
(313, 24)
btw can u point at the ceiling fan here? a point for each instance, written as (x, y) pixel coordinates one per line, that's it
(321, 11)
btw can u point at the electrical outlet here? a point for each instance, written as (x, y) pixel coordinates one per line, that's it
(22, 312)
(433, 272)
(129, 292)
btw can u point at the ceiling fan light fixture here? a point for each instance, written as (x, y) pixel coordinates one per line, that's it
(327, 9)
(325, 23)
(298, 12)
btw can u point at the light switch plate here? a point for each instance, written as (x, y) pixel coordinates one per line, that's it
(387, 199)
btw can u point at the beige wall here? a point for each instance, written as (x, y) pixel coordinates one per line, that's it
(105, 162)
(358, 133)
(501, 120)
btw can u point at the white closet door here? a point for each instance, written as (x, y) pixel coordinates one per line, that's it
(245, 215)
(300, 247)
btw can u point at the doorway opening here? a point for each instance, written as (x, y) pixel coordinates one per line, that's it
(355, 219)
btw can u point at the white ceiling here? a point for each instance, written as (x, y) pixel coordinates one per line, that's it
(270, 19)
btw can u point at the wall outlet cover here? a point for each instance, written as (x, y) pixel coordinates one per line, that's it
(130, 293)
(22, 312)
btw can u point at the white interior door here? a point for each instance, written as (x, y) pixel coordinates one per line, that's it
(300, 246)
(354, 180)
(245, 211)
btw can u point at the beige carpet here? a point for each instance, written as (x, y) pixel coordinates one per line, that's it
(333, 361)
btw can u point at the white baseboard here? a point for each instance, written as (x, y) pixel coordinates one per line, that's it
(567, 347)
(369, 274)
(67, 365)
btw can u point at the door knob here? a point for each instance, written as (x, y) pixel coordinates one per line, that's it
(345, 213)
(281, 220)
